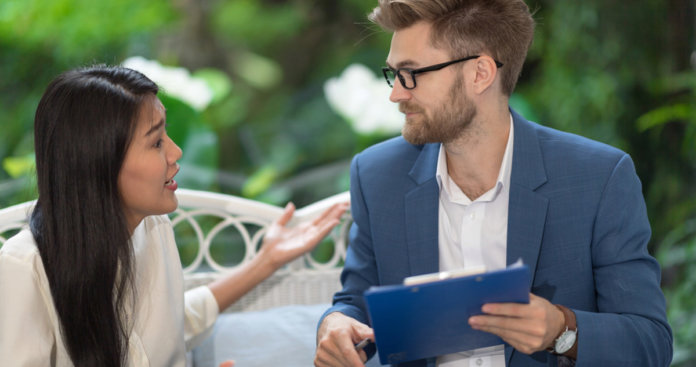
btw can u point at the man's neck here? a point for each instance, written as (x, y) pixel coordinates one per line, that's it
(474, 159)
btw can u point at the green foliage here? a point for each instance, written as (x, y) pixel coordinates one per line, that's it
(71, 24)
(677, 254)
(677, 251)
(19, 166)
(258, 24)
(41, 38)
(218, 82)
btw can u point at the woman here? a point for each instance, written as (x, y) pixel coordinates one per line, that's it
(96, 279)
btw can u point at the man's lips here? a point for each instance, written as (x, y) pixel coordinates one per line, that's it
(409, 114)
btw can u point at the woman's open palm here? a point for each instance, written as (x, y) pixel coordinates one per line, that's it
(283, 244)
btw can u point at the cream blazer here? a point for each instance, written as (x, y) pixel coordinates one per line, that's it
(167, 321)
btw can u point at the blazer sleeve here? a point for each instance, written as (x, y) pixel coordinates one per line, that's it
(630, 327)
(360, 269)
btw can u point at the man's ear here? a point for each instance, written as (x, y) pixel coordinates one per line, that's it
(486, 71)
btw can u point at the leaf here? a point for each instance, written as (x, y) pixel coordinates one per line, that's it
(218, 81)
(19, 166)
(663, 115)
(260, 181)
(257, 70)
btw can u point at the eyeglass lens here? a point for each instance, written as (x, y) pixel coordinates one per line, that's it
(404, 77)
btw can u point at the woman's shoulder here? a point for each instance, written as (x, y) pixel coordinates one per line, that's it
(21, 247)
(153, 229)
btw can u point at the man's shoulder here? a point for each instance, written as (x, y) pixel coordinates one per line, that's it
(557, 145)
(570, 158)
(550, 135)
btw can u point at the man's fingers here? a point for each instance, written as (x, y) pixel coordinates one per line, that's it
(338, 351)
(337, 337)
(506, 309)
(494, 324)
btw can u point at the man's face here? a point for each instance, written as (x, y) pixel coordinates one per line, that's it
(438, 109)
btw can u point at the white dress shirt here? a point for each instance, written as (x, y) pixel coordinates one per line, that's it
(473, 234)
(165, 321)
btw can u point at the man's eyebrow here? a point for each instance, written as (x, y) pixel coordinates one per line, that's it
(155, 127)
(401, 64)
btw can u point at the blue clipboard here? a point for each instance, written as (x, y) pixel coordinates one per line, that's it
(427, 320)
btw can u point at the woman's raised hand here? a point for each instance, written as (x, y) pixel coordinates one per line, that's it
(282, 244)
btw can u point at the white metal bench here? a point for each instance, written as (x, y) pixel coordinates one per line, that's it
(304, 281)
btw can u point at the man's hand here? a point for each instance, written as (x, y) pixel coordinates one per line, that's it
(526, 327)
(336, 341)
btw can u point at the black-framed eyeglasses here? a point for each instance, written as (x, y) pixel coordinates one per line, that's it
(407, 76)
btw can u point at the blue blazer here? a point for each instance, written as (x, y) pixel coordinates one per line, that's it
(576, 216)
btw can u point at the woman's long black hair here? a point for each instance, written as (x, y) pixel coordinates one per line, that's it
(82, 129)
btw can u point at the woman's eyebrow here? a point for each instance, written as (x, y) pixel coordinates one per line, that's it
(155, 127)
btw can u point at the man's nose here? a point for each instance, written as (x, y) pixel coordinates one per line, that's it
(399, 93)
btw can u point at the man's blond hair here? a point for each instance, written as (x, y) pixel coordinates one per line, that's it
(503, 29)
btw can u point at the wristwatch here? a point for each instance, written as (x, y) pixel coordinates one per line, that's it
(568, 338)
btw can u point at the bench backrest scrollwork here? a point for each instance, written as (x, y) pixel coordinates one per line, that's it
(216, 233)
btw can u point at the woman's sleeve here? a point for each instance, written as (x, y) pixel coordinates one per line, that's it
(200, 312)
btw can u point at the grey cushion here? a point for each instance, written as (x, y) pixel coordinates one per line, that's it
(281, 336)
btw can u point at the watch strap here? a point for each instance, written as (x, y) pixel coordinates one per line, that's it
(570, 324)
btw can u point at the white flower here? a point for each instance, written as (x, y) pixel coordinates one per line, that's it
(363, 99)
(175, 81)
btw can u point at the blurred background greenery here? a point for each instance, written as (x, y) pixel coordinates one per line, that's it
(616, 71)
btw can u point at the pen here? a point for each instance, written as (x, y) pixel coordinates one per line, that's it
(363, 343)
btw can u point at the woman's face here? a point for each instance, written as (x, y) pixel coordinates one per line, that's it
(146, 181)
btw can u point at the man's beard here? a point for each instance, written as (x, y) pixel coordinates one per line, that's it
(448, 122)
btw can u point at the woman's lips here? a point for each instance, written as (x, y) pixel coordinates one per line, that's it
(171, 185)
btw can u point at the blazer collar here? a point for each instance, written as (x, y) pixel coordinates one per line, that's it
(421, 206)
(527, 161)
(425, 165)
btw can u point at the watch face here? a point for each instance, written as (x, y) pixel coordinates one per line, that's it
(565, 341)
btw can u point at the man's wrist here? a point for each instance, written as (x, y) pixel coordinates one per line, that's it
(568, 333)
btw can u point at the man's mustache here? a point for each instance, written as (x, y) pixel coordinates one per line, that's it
(408, 107)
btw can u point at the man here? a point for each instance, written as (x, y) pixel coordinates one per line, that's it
(473, 183)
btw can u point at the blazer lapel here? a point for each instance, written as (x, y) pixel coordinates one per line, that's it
(527, 208)
(421, 215)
